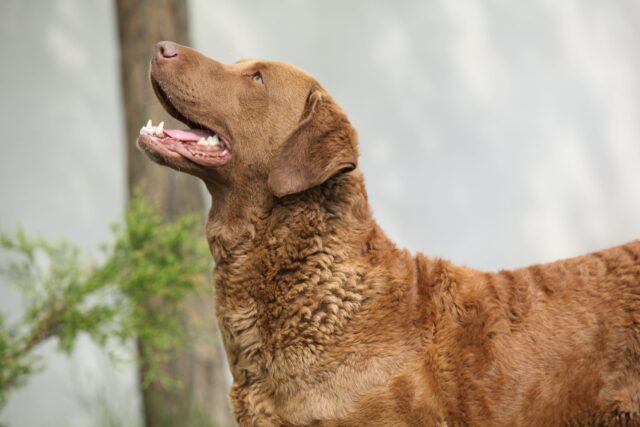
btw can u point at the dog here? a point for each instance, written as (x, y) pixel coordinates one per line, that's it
(326, 322)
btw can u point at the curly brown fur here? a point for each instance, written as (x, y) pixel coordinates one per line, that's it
(326, 322)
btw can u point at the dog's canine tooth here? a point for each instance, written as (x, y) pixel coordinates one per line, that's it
(159, 131)
(147, 129)
(202, 141)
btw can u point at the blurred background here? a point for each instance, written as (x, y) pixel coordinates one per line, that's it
(495, 134)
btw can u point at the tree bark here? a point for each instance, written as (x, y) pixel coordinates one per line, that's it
(201, 399)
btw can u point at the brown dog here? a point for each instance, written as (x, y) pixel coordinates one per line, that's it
(326, 322)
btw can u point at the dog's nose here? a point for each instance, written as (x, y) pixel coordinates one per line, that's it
(166, 50)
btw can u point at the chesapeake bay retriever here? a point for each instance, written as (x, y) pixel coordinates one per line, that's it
(326, 322)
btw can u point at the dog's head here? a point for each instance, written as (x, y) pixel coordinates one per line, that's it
(265, 122)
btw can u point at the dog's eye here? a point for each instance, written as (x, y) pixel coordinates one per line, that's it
(257, 77)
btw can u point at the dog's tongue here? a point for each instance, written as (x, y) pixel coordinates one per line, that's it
(187, 135)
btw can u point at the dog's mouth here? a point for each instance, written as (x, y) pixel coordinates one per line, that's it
(197, 144)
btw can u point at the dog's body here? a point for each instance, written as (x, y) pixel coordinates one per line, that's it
(342, 325)
(326, 322)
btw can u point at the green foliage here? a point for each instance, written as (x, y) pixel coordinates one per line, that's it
(151, 266)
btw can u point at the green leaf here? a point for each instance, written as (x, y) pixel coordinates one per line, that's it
(148, 269)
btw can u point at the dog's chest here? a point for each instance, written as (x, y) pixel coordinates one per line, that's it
(277, 326)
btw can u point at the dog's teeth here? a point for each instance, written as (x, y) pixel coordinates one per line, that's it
(201, 141)
(159, 131)
(213, 140)
(148, 129)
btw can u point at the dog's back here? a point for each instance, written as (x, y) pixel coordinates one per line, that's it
(546, 345)
(552, 344)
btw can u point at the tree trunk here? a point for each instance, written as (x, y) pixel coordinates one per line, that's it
(201, 398)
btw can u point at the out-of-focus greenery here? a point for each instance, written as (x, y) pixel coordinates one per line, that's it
(147, 270)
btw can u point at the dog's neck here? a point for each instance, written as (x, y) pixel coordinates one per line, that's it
(269, 252)
(296, 276)
(240, 217)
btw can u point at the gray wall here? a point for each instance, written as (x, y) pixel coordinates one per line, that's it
(495, 134)
(62, 174)
(492, 133)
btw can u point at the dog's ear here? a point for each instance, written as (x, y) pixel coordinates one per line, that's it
(323, 144)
